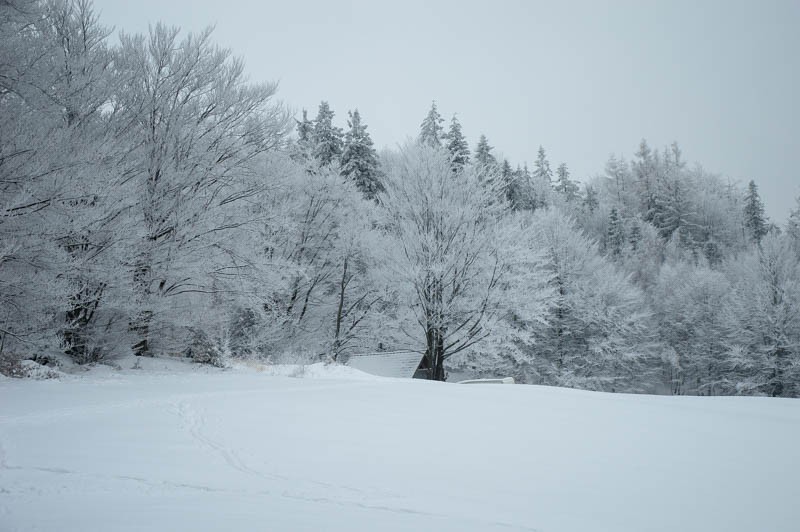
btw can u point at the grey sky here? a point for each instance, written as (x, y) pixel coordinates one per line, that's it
(584, 79)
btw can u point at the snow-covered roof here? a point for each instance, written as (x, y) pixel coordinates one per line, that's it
(400, 364)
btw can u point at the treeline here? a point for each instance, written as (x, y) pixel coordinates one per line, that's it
(154, 201)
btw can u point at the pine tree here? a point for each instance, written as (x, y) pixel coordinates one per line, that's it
(597, 323)
(457, 146)
(518, 189)
(483, 153)
(644, 169)
(643, 166)
(793, 227)
(754, 220)
(327, 138)
(615, 236)
(635, 236)
(565, 186)
(590, 200)
(509, 182)
(431, 130)
(305, 128)
(542, 173)
(359, 159)
(302, 150)
(541, 181)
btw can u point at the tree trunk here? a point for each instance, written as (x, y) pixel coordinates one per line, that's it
(140, 324)
(337, 343)
(777, 375)
(78, 319)
(434, 354)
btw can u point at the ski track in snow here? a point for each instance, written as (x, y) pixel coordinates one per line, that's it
(195, 419)
(213, 442)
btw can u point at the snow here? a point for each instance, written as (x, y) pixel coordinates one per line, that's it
(388, 364)
(177, 447)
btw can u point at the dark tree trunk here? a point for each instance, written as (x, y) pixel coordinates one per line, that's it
(434, 354)
(140, 324)
(141, 327)
(78, 320)
(777, 375)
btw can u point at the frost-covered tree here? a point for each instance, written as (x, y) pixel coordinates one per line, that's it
(691, 308)
(327, 139)
(754, 220)
(359, 159)
(670, 209)
(57, 216)
(443, 252)
(542, 180)
(793, 226)
(644, 170)
(596, 335)
(364, 317)
(615, 236)
(527, 295)
(764, 301)
(518, 187)
(457, 146)
(431, 130)
(564, 185)
(542, 170)
(305, 128)
(590, 201)
(507, 176)
(483, 153)
(309, 282)
(619, 186)
(196, 127)
(304, 146)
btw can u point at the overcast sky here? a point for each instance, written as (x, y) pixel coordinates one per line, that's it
(585, 79)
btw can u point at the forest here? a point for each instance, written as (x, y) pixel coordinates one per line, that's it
(156, 201)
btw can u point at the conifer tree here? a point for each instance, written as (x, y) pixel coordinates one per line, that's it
(519, 192)
(483, 153)
(509, 182)
(541, 181)
(635, 236)
(305, 128)
(542, 173)
(793, 227)
(565, 186)
(644, 168)
(615, 236)
(359, 159)
(754, 219)
(304, 146)
(590, 200)
(457, 146)
(327, 138)
(431, 130)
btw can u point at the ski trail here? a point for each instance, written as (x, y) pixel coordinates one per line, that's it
(194, 421)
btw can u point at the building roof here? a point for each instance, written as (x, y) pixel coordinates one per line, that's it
(399, 364)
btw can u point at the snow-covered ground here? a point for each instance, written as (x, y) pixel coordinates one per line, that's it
(197, 449)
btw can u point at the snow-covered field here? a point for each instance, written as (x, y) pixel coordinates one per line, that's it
(334, 450)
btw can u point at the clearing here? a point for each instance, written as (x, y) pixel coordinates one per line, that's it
(174, 447)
